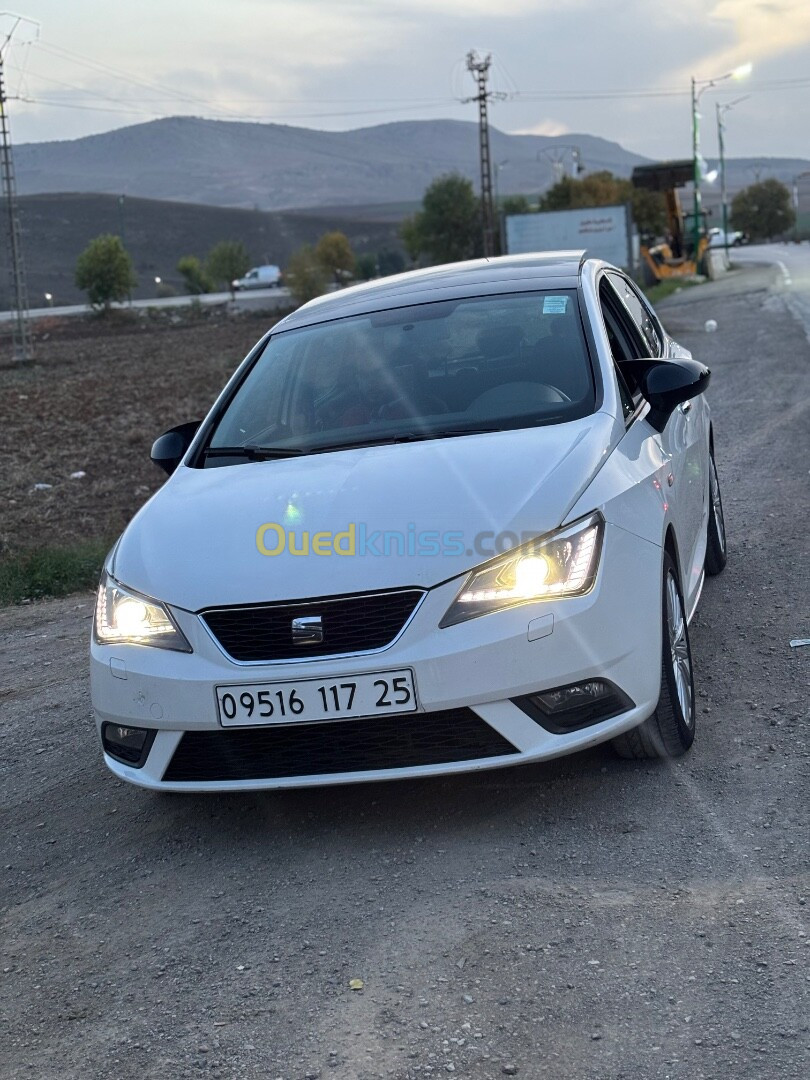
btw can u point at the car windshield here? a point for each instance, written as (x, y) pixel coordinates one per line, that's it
(428, 371)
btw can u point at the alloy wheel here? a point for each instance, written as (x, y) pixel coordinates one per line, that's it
(679, 650)
(717, 505)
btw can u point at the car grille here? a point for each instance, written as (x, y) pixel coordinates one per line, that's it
(350, 624)
(390, 742)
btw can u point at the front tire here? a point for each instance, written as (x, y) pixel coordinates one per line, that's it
(670, 731)
(716, 527)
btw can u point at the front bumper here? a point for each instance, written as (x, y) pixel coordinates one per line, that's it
(466, 678)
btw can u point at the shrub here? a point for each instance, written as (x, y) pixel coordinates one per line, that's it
(104, 271)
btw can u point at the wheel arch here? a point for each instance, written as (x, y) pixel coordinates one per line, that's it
(670, 546)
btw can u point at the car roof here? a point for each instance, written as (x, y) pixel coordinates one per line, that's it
(478, 277)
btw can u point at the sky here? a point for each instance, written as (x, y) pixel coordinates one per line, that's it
(620, 69)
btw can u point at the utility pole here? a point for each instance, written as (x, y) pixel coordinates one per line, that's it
(723, 194)
(699, 87)
(796, 180)
(479, 68)
(696, 204)
(721, 146)
(23, 346)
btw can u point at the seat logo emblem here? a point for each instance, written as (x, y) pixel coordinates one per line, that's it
(307, 630)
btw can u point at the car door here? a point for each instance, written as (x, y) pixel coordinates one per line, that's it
(696, 435)
(633, 333)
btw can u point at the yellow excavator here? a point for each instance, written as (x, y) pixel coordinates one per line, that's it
(674, 257)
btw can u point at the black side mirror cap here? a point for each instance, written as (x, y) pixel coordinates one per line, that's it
(169, 449)
(667, 383)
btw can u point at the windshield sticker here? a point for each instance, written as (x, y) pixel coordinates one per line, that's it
(554, 305)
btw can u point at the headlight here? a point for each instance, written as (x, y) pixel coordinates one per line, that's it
(123, 615)
(563, 564)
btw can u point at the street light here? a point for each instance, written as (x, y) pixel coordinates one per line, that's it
(49, 299)
(699, 87)
(721, 109)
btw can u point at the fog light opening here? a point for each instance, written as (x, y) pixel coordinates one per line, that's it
(578, 705)
(130, 745)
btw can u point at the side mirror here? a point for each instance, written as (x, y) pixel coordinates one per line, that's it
(666, 383)
(169, 449)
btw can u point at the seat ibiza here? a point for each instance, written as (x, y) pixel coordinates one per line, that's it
(451, 520)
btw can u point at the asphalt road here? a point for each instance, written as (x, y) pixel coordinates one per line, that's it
(587, 919)
(250, 300)
(793, 264)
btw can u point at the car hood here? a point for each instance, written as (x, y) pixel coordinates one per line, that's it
(194, 544)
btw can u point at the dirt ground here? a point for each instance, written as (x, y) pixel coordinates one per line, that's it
(98, 395)
(581, 919)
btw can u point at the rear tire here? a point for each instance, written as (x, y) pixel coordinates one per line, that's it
(716, 556)
(670, 731)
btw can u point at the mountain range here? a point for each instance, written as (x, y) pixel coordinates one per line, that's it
(273, 166)
(189, 183)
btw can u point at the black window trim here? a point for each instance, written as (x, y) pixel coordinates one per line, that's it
(657, 326)
(624, 323)
(631, 287)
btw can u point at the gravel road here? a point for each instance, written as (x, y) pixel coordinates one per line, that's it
(587, 919)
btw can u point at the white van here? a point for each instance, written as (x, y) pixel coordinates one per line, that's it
(260, 277)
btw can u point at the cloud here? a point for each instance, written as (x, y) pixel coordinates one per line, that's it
(758, 31)
(473, 9)
(545, 127)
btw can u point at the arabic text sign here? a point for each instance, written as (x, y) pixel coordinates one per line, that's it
(601, 230)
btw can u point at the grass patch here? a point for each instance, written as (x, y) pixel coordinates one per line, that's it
(33, 575)
(658, 292)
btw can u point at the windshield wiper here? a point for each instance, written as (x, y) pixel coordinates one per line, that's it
(254, 453)
(404, 437)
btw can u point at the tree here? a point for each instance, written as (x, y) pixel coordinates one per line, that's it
(515, 204)
(448, 227)
(411, 237)
(104, 271)
(306, 275)
(390, 262)
(227, 261)
(763, 210)
(604, 189)
(365, 267)
(194, 276)
(649, 211)
(334, 252)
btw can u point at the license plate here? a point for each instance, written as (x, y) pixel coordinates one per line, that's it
(307, 700)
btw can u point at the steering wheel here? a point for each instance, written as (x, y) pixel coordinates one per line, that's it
(516, 397)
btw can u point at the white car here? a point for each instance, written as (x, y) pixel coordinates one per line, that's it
(718, 238)
(259, 277)
(451, 520)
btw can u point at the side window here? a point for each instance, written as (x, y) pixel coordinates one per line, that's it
(639, 313)
(626, 344)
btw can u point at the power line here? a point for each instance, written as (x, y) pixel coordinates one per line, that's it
(23, 346)
(236, 117)
(641, 94)
(107, 69)
(227, 110)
